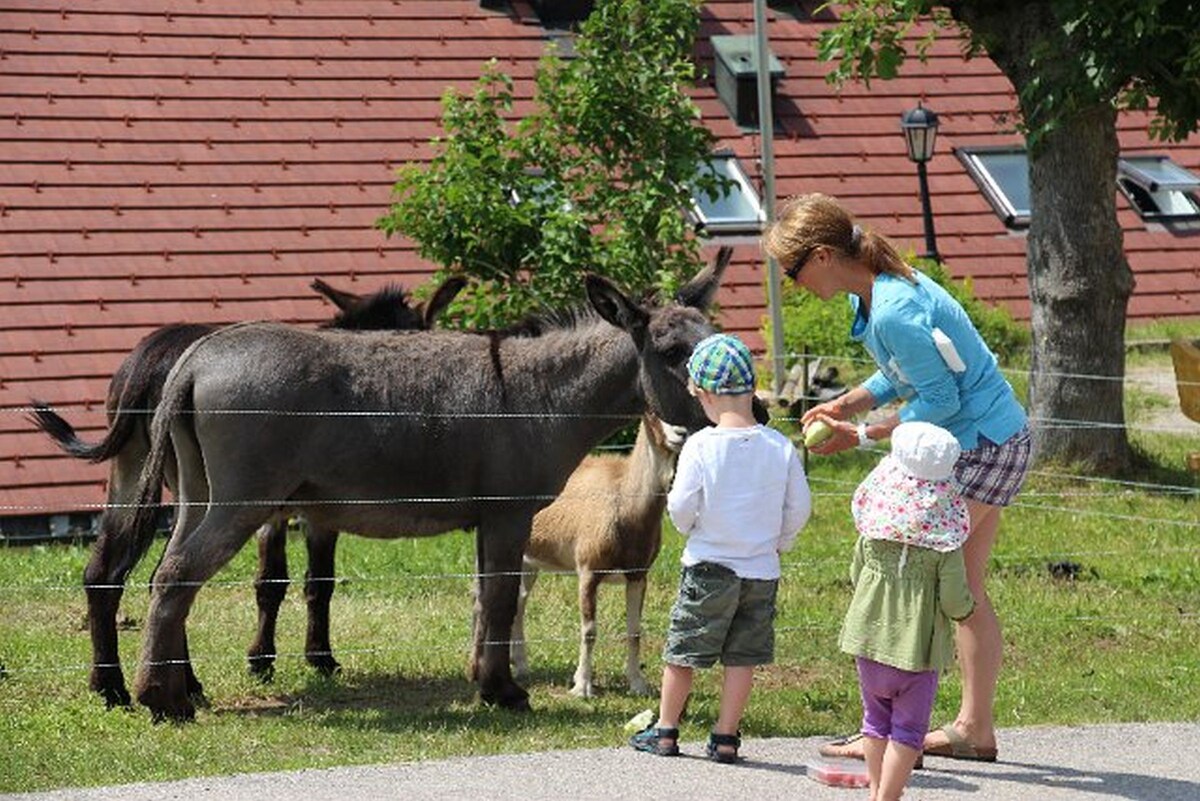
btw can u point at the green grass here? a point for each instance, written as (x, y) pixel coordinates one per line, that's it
(1167, 328)
(1118, 642)
(1155, 332)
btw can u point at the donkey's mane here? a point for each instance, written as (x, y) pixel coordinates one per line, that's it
(389, 295)
(567, 318)
(545, 321)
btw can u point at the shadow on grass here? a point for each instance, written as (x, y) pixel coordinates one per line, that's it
(388, 694)
(401, 703)
(1148, 468)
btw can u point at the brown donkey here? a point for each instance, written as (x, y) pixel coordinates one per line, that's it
(606, 526)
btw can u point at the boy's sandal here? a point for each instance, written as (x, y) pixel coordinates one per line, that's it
(651, 740)
(715, 743)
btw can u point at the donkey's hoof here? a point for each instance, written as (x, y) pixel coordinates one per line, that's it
(262, 667)
(168, 693)
(639, 686)
(583, 690)
(111, 687)
(164, 709)
(199, 699)
(116, 697)
(325, 664)
(182, 715)
(511, 696)
(195, 690)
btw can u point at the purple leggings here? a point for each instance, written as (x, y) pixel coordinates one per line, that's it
(896, 703)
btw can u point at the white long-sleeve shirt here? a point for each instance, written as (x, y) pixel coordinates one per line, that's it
(740, 497)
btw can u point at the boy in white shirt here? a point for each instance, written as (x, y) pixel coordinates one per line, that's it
(740, 496)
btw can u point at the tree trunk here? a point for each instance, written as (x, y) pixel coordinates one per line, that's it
(1079, 286)
(1079, 280)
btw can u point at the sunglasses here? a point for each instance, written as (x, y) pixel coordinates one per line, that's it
(798, 265)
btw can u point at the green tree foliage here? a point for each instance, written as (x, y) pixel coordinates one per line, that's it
(594, 177)
(1131, 54)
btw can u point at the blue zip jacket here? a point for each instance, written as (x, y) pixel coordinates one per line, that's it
(899, 333)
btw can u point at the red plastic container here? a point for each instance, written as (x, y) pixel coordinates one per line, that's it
(838, 772)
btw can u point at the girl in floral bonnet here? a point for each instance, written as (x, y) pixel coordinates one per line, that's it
(910, 582)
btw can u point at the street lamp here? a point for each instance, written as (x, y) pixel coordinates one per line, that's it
(920, 130)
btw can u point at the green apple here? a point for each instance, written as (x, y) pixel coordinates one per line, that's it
(816, 433)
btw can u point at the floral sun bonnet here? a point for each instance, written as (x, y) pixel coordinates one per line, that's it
(911, 497)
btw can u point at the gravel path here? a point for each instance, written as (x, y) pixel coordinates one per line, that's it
(1148, 762)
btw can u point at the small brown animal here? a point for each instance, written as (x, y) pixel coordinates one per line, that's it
(606, 525)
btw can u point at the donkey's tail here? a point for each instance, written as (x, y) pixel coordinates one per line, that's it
(137, 529)
(140, 379)
(67, 438)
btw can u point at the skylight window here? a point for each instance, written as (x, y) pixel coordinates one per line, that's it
(736, 211)
(1003, 175)
(1158, 188)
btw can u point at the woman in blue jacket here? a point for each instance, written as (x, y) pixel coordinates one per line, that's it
(931, 359)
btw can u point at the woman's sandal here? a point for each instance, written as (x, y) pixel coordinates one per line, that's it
(716, 741)
(959, 747)
(850, 747)
(847, 747)
(651, 740)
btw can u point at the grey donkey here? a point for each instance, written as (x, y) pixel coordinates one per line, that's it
(397, 435)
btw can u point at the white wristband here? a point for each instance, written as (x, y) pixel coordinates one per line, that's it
(863, 440)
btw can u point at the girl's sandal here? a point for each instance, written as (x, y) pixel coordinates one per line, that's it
(717, 741)
(653, 740)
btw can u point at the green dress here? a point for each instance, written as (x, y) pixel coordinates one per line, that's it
(904, 600)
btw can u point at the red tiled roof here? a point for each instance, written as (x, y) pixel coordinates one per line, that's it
(179, 160)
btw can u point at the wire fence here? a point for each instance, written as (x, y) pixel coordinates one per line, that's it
(1043, 423)
(798, 571)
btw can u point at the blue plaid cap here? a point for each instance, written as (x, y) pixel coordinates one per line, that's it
(722, 364)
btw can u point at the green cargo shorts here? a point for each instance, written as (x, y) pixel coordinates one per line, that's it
(718, 615)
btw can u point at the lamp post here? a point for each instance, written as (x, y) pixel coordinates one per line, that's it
(920, 130)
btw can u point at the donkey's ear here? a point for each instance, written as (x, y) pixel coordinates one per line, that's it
(761, 413)
(442, 297)
(614, 306)
(700, 292)
(346, 301)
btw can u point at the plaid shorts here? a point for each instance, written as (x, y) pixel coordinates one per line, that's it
(720, 615)
(991, 473)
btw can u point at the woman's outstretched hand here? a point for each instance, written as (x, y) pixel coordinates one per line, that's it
(830, 409)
